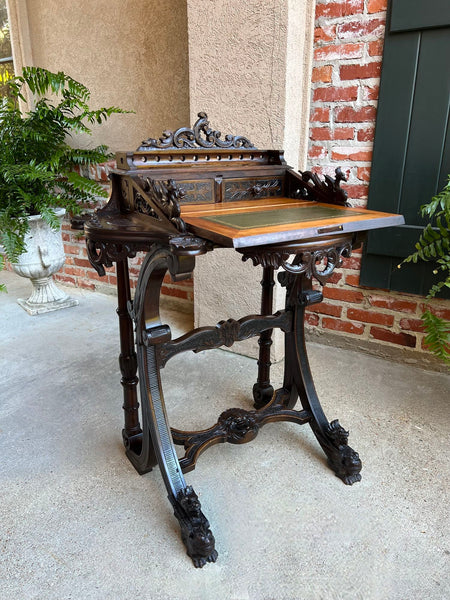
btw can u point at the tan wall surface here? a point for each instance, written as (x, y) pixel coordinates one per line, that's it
(129, 53)
(249, 70)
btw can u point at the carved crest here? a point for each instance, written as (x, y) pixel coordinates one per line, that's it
(200, 136)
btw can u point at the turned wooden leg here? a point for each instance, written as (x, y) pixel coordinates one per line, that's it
(263, 390)
(128, 361)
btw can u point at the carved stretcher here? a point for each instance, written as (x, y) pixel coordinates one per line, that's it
(183, 195)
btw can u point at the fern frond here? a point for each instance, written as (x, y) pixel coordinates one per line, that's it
(437, 337)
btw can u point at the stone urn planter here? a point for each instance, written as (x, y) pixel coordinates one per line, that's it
(44, 256)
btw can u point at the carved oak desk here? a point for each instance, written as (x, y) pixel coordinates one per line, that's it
(181, 196)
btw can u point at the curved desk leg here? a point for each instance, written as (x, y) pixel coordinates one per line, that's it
(150, 332)
(298, 382)
(263, 390)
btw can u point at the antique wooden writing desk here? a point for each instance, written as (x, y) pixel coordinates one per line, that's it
(181, 196)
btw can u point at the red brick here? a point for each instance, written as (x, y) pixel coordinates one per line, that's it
(367, 71)
(339, 51)
(370, 316)
(393, 304)
(376, 48)
(320, 133)
(173, 291)
(326, 309)
(322, 74)
(401, 339)
(325, 34)
(335, 94)
(353, 262)
(321, 115)
(352, 280)
(342, 294)
(358, 29)
(375, 6)
(370, 92)
(356, 191)
(74, 271)
(72, 249)
(312, 319)
(366, 134)
(363, 173)
(351, 153)
(347, 114)
(65, 278)
(442, 313)
(85, 285)
(343, 133)
(93, 275)
(339, 9)
(317, 152)
(335, 277)
(65, 236)
(345, 326)
(82, 262)
(112, 279)
(412, 325)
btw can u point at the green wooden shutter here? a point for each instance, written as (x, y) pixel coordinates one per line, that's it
(411, 158)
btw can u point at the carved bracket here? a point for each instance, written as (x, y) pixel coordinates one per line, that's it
(200, 136)
(329, 190)
(102, 254)
(159, 200)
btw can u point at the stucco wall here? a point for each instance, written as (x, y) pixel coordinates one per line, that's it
(129, 53)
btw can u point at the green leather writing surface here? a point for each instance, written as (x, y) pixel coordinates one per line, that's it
(286, 216)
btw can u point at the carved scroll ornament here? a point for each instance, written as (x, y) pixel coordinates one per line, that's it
(319, 264)
(200, 136)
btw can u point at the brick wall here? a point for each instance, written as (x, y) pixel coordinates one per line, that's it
(345, 80)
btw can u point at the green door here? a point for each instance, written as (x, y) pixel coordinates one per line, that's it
(411, 159)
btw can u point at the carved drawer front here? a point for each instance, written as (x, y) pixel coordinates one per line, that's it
(200, 190)
(252, 188)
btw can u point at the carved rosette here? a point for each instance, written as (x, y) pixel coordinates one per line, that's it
(200, 136)
(240, 426)
(195, 531)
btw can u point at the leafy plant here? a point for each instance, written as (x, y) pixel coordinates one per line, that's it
(36, 161)
(434, 245)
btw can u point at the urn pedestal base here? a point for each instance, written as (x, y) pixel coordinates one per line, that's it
(46, 297)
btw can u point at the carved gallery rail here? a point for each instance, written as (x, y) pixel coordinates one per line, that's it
(181, 196)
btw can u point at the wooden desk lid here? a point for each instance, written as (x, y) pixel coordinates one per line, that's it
(275, 220)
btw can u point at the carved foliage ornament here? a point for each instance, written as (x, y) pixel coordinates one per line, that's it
(165, 196)
(200, 136)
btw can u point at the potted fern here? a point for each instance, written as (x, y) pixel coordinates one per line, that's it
(38, 183)
(434, 246)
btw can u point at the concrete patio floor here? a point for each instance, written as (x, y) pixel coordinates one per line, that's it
(77, 522)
